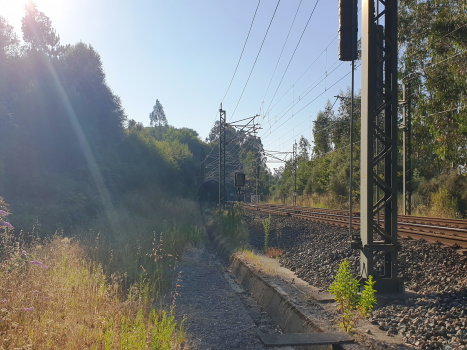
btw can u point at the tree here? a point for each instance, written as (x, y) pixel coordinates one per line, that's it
(9, 43)
(157, 116)
(303, 147)
(38, 32)
(432, 40)
(321, 131)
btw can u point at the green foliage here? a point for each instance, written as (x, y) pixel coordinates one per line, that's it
(267, 227)
(65, 155)
(229, 223)
(367, 300)
(159, 332)
(432, 63)
(38, 31)
(345, 289)
(157, 116)
(163, 330)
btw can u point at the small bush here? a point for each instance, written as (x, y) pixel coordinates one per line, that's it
(267, 228)
(345, 289)
(229, 223)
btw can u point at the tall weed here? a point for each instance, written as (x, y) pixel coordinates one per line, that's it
(54, 297)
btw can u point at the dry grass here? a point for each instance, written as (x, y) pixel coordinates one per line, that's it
(274, 252)
(65, 301)
(253, 259)
(325, 200)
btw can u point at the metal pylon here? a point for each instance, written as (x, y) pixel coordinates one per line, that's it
(221, 157)
(378, 243)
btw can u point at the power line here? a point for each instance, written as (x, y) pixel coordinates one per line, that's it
(432, 65)
(296, 47)
(305, 130)
(283, 47)
(437, 41)
(306, 70)
(254, 64)
(301, 96)
(308, 104)
(251, 26)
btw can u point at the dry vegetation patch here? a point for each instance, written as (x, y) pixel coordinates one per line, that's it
(53, 297)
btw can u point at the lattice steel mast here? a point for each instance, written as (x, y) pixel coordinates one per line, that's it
(379, 145)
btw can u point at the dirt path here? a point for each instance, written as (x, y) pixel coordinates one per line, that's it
(216, 306)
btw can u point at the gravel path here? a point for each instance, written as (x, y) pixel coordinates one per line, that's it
(435, 319)
(216, 306)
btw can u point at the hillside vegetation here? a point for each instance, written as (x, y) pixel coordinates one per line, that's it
(99, 208)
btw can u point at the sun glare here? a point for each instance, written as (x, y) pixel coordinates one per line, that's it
(13, 10)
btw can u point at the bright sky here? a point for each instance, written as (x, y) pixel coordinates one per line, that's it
(184, 53)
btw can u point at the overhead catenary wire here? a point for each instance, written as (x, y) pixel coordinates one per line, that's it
(300, 98)
(254, 64)
(286, 142)
(444, 36)
(306, 70)
(291, 58)
(431, 66)
(307, 105)
(241, 55)
(282, 51)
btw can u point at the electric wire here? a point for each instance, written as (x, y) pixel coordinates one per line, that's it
(307, 104)
(306, 70)
(291, 58)
(282, 51)
(254, 64)
(241, 55)
(300, 98)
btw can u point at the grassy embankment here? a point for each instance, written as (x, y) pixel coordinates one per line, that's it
(97, 290)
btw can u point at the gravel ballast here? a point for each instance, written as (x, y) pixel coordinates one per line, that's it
(435, 318)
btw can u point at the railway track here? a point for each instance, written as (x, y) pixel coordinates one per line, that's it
(451, 232)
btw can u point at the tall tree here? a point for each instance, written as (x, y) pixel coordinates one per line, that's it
(303, 146)
(433, 61)
(321, 131)
(9, 43)
(157, 116)
(38, 32)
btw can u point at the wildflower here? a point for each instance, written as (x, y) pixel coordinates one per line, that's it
(3, 212)
(4, 301)
(7, 224)
(27, 309)
(36, 292)
(38, 263)
(46, 298)
(23, 252)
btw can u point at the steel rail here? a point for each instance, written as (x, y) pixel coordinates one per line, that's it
(452, 232)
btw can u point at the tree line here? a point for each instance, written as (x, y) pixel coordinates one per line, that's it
(67, 147)
(432, 66)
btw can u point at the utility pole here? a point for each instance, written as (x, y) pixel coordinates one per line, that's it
(348, 30)
(258, 167)
(202, 175)
(222, 118)
(294, 200)
(406, 155)
(379, 122)
(354, 25)
(408, 174)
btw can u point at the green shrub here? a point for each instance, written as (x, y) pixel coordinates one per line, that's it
(229, 223)
(345, 289)
(267, 228)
